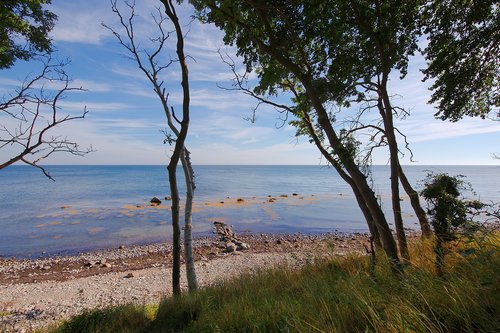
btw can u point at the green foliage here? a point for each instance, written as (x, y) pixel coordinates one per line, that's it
(447, 208)
(24, 28)
(463, 55)
(340, 295)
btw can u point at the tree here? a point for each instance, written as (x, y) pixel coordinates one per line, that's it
(289, 54)
(450, 211)
(149, 63)
(24, 28)
(377, 37)
(31, 114)
(463, 56)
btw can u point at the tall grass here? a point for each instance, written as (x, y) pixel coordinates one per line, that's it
(340, 295)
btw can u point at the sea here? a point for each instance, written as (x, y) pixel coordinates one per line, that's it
(95, 207)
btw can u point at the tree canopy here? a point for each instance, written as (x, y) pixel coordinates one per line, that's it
(24, 29)
(463, 55)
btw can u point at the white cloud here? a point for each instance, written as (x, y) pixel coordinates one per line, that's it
(80, 24)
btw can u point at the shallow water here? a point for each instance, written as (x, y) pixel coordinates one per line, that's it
(90, 207)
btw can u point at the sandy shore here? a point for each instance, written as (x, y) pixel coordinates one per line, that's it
(35, 293)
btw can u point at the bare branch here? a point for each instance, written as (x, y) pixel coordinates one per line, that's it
(30, 113)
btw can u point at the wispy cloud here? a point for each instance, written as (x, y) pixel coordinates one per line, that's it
(437, 129)
(93, 106)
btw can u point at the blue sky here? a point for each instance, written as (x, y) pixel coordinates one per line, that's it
(125, 120)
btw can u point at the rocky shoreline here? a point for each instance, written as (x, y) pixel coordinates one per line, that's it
(38, 292)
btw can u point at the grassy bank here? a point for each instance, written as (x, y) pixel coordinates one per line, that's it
(341, 295)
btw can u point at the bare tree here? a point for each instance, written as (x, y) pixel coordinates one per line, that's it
(30, 114)
(148, 62)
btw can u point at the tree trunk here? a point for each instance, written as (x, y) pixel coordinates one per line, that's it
(358, 178)
(440, 252)
(385, 109)
(176, 232)
(415, 203)
(179, 143)
(359, 198)
(188, 241)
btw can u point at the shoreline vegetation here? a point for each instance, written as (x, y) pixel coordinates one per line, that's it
(281, 282)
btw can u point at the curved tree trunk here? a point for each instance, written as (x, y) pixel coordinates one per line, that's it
(415, 203)
(359, 198)
(358, 178)
(188, 240)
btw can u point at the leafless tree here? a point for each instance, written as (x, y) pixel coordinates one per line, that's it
(30, 115)
(149, 63)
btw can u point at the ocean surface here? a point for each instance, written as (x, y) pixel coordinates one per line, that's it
(92, 207)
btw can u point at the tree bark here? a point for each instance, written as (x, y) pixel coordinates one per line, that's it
(176, 231)
(359, 198)
(386, 112)
(188, 240)
(358, 178)
(179, 145)
(415, 203)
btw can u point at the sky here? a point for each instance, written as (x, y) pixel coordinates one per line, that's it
(125, 120)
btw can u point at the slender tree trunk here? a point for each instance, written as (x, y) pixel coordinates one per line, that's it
(188, 240)
(359, 198)
(358, 178)
(440, 251)
(176, 231)
(179, 143)
(386, 112)
(415, 203)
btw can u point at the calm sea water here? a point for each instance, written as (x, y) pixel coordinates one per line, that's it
(90, 207)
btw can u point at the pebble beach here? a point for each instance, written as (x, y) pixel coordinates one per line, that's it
(35, 293)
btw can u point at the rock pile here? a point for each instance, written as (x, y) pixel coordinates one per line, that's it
(226, 234)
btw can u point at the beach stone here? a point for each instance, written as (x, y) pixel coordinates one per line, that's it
(231, 247)
(102, 261)
(295, 194)
(240, 200)
(129, 275)
(107, 265)
(155, 201)
(243, 246)
(46, 268)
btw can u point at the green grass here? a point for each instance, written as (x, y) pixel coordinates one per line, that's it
(340, 295)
